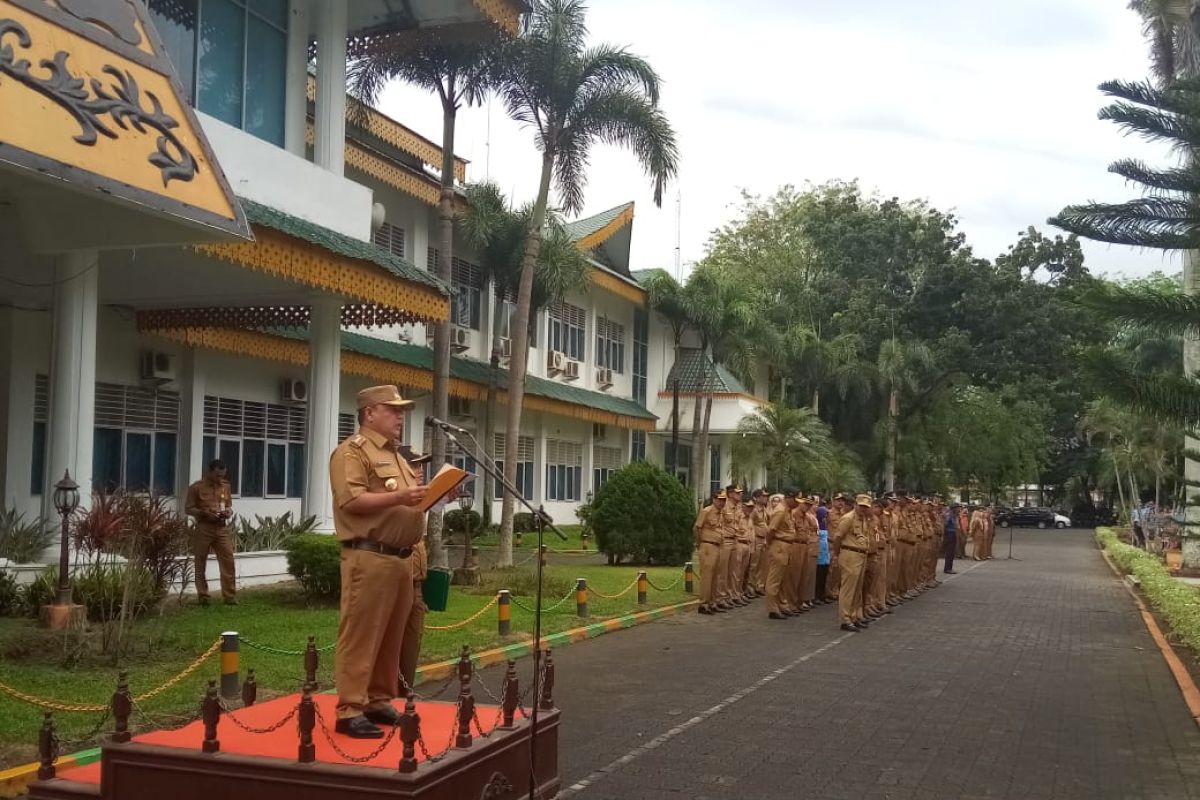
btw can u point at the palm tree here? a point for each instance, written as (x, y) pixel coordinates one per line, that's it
(1170, 27)
(665, 295)
(458, 72)
(498, 232)
(899, 369)
(572, 97)
(783, 441)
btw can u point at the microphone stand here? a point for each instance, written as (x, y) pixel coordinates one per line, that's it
(541, 520)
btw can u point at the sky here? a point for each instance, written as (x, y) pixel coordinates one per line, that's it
(986, 109)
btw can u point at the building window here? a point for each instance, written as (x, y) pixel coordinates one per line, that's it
(347, 426)
(568, 330)
(714, 468)
(525, 464)
(637, 446)
(610, 344)
(508, 313)
(135, 439)
(641, 358)
(41, 416)
(391, 238)
(230, 56)
(262, 445)
(605, 461)
(564, 470)
(454, 454)
(466, 297)
(683, 464)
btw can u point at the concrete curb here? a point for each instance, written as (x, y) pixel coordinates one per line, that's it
(1183, 678)
(14, 781)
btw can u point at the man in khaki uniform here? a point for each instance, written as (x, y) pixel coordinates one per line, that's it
(414, 628)
(891, 524)
(837, 510)
(853, 539)
(781, 544)
(871, 573)
(758, 556)
(707, 532)
(976, 533)
(808, 530)
(210, 503)
(731, 521)
(745, 545)
(375, 494)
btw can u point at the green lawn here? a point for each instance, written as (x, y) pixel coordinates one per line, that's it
(52, 666)
(529, 540)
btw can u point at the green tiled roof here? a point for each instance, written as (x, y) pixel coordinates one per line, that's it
(697, 373)
(589, 225)
(642, 275)
(339, 243)
(478, 372)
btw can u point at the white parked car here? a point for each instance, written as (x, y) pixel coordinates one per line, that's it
(1061, 521)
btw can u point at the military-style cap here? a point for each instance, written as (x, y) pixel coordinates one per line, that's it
(720, 496)
(789, 493)
(733, 487)
(748, 503)
(760, 493)
(802, 498)
(382, 395)
(863, 500)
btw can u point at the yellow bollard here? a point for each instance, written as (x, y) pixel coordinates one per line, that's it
(230, 665)
(504, 613)
(581, 593)
(642, 584)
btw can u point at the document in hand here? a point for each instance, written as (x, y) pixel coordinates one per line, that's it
(448, 477)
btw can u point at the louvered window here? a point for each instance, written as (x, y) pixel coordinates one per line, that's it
(641, 359)
(135, 440)
(605, 461)
(466, 283)
(568, 330)
(391, 238)
(525, 462)
(508, 314)
(41, 416)
(637, 446)
(564, 470)
(610, 344)
(261, 444)
(347, 425)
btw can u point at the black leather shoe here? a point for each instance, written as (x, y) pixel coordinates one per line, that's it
(384, 715)
(949, 572)
(704, 610)
(846, 626)
(358, 728)
(775, 615)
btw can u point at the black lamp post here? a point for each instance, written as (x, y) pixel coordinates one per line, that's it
(66, 500)
(464, 502)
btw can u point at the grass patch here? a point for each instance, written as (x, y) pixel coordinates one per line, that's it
(69, 669)
(529, 540)
(1176, 602)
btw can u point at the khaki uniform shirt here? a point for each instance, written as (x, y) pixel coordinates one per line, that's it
(745, 529)
(759, 518)
(709, 526)
(205, 498)
(731, 521)
(365, 462)
(780, 526)
(854, 530)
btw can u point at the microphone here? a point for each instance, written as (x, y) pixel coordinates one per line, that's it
(434, 422)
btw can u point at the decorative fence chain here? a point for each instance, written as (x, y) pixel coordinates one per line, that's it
(619, 594)
(280, 651)
(434, 758)
(353, 759)
(229, 715)
(495, 599)
(666, 588)
(545, 609)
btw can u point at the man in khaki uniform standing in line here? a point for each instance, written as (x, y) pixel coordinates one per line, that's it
(874, 562)
(807, 530)
(853, 538)
(781, 545)
(210, 503)
(745, 582)
(707, 532)
(758, 558)
(375, 499)
(837, 510)
(731, 521)
(891, 522)
(976, 532)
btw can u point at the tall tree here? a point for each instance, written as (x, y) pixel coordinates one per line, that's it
(665, 296)
(902, 367)
(458, 72)
(785, 442)
(572, 96)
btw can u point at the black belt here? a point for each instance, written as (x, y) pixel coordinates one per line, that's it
(376, 547)
(854, 549)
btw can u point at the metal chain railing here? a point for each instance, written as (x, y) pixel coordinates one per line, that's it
(342, 753)
(545, 609)
(495, 599)
(616, 596)
(666, 588)
(229, 715)
(70, 744)
(279, 651)
(56, 705)
(434, 758)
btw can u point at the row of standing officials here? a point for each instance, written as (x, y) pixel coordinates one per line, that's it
(867, 554)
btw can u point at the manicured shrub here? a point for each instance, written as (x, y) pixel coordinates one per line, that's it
(314, 560)
(456, 521)
(101, 589)
(22, 541)
(1178, 603)
(523, 522)
(644, 515)
(269, 533)
(12, 602)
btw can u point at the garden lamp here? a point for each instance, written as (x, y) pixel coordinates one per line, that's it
(464, 502)
(66, 500)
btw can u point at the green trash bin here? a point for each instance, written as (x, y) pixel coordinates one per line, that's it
(436, 591)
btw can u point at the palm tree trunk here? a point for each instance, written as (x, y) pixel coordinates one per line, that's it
(816, 401)
(699, 488)
(441, 331)
(489, 419)
(520, 355)
(1120, 488)
(707, 457)
(893, 433)
(674, 460)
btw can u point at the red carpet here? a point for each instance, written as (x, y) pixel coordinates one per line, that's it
(437, 722)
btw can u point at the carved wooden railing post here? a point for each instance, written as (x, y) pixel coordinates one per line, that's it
(249, 690)
(547, 699)
(308, 721)
(466, 701)
(512, 696)
(210, 710)
(410, 731)
(47, 748)
(122, 708)
(311, 660)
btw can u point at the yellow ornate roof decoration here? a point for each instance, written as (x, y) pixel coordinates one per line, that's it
(360, 115)
(606, 280)
(303, 262)
(505, 13)
(601, 235)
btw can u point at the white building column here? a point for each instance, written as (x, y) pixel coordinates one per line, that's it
(324, 392)
(72, 375)
(191, 420)
(296, 91)
(329, 148)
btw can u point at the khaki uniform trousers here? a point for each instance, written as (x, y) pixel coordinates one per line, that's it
(796, 561)
(724, 584)
(870, 573)
(833, 581)
(740, 564)
(758, 565)
(778, 555)
(414, 632)
(808, 584)
(851, 566)
(204, 539)
(960, 546)
(710, 557)
(879, 585)
(893, 581)
(377, 598)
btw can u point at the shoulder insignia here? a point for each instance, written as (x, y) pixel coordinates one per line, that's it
(358, 440)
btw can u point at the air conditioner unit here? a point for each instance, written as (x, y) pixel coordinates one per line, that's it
(157, 367)
(460, 338)
(604, 377)
(599, 431)
(557, 361)
(505, 347)
(571, 370)
(293, 391)
(405, 335)
(460, 408)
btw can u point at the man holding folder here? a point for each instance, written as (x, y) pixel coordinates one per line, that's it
(379, 515)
